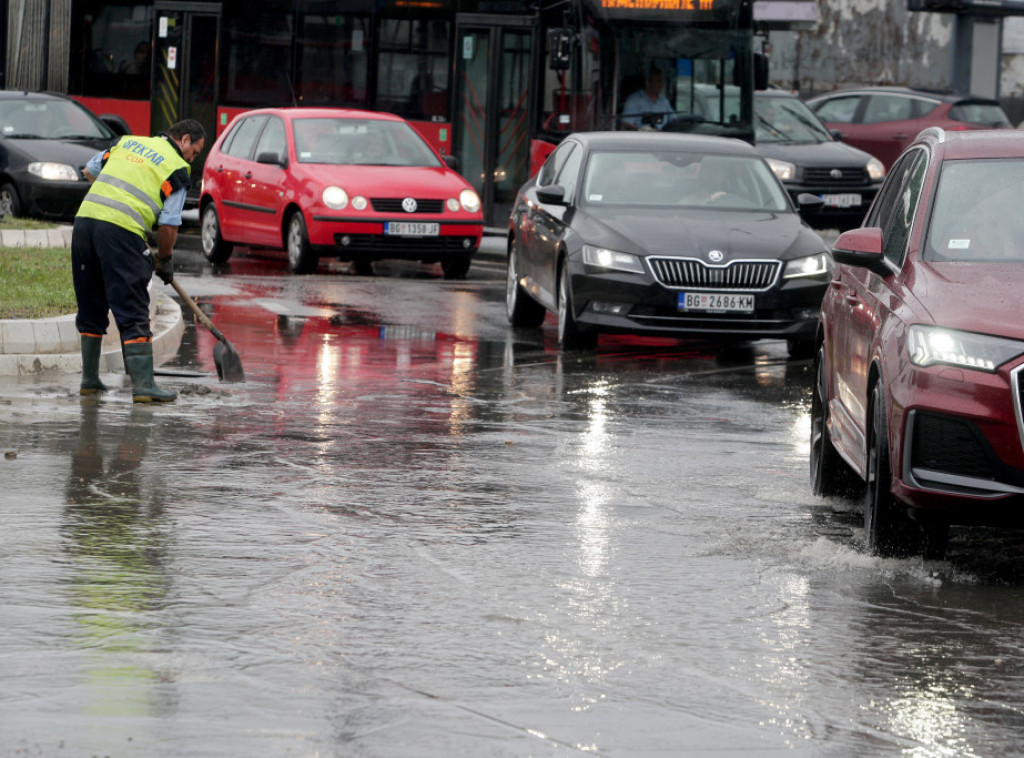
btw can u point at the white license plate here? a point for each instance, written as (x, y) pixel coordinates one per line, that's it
(849, 200)
(412, 229)
(716, 302)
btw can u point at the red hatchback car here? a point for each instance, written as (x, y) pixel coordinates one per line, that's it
(883, 121)
(355, 185)
(920, 356)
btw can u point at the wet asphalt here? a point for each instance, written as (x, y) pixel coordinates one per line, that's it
(414, 531)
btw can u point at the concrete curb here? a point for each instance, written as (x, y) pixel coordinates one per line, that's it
(59, 237)
(51, 345)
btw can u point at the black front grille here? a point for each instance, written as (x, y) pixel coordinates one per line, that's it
(847, 176)
(951, 446)
(394, 205)
(412, 248)
(695, 274)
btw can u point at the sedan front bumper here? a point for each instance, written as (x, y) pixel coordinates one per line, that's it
(621, 303)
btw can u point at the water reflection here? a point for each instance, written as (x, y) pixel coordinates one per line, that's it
(114, 537)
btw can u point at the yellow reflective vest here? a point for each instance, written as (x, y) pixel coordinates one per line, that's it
(139, 173)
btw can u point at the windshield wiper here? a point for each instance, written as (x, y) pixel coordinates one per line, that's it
(768, 125)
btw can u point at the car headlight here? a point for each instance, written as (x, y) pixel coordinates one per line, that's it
(54, 172)
(785, 170)
(602, 257)
(876, 170)
(933, 345)
(335, 197)
(811, 266)
(470, 200)
(359, 203)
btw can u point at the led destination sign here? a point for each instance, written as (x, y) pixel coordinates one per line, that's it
(662, 5)
(669, 10)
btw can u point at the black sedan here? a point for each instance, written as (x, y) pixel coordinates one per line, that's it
(45, 140)
(663, 234)
(807, 157)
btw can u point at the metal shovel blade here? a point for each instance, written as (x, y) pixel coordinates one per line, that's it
(229, 363)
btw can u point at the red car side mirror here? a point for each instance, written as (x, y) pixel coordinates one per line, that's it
(861, 247)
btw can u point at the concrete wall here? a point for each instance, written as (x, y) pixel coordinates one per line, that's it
(864, 42)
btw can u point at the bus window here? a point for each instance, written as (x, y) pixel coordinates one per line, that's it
(332, 58)
(412, 68)
(116, 46)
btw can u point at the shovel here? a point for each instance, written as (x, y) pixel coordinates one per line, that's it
(229, 364)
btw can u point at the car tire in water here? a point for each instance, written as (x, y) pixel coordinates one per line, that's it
(830, 474)
(522, 310)
(888, 530)
(10, 203)
(456, 266)
(215, 248)
(571, 336)
(301, 257)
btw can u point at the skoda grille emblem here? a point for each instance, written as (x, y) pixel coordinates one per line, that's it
(409, 205)
(715, 256)
(836, 173)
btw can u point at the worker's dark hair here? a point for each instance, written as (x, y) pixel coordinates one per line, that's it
(188, 126)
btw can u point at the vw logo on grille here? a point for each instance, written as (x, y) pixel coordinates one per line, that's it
(836, 173)
(409, 205)
(716, 256)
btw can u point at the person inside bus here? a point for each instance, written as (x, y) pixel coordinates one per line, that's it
(650, 100)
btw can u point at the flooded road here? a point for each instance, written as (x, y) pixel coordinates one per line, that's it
(416, 532)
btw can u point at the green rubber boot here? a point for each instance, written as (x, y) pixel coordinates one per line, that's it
(138, 358)
(91, 348)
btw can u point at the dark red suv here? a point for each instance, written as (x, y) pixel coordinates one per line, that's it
(883, 121)
(921, 347)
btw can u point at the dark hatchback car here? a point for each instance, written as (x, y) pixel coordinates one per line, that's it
(920, 367)
(663, 234)
(45, 139)
(883, 121)
(805, 155)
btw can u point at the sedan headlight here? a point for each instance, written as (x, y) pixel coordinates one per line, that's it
(54, 172)
(933, 345)
(785, 170)
(335, 197)
(470, 200)
(811, 266)
(876, 170)
(602, 257)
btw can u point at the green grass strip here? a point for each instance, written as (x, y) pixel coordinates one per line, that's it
(36, 283)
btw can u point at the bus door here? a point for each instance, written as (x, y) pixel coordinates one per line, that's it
(185, 69)
(493, 107)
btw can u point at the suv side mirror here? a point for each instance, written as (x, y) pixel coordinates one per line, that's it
(760, 71)
(862, 247)
(552, 195)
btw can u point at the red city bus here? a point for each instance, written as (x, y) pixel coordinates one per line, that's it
(497, 83)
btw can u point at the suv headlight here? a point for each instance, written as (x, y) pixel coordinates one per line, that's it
(933, 345)
(785, 170)
(602, 257)
(876, 171)
(54, 172)
(812, 266)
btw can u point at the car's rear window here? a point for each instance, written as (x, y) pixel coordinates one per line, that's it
(984, 114)
(676, 178)
(360, 142)
(976, 215)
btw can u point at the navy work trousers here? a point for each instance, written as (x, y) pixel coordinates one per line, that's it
(111, 269)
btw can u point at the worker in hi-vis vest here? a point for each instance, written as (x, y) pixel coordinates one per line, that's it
(137, 185)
